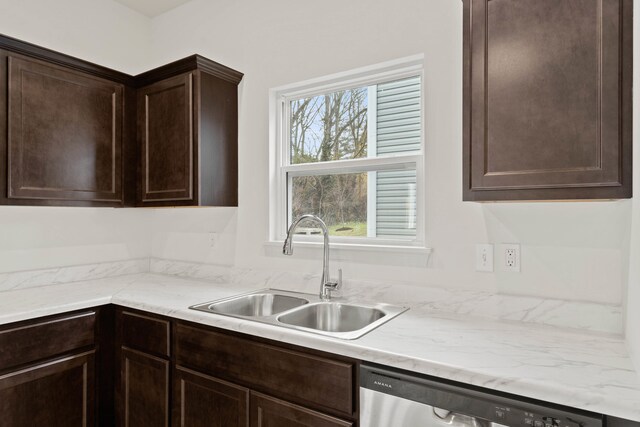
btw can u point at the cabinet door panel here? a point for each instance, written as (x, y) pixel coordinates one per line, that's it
(269, 412)
(148, 334)
(165, 126)
(53, 394)
(64, 134)
(145, 390)
(204, 401)
(547, 99)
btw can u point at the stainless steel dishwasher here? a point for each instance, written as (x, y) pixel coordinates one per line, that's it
(394, 398)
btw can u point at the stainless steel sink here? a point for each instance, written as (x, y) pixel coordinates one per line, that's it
(254, 305)
(305, 312)
(333, 317)
(341, 320)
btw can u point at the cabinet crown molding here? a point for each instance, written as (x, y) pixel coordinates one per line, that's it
(190, 63)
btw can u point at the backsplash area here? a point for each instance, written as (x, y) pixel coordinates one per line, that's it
(76, 273)
(606, 318)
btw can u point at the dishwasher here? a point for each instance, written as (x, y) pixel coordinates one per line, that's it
(394, 398)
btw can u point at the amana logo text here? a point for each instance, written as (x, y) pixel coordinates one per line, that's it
(380, 383)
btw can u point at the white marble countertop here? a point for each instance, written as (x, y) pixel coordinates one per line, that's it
(583, 370)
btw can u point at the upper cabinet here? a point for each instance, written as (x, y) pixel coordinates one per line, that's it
(65, 134)
(165, 132)
(547, 99)
(62, 133)
(77, 134)
(188, 134)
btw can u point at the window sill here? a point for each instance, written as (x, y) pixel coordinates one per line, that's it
(379, 254)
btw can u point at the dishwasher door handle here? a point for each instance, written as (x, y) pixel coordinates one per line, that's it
(458, 420)
(383, 410)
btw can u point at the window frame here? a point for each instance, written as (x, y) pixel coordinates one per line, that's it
(281, 170)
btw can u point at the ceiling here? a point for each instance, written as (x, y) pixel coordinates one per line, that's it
(152, 8)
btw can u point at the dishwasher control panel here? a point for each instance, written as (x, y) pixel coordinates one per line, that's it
(518, 417)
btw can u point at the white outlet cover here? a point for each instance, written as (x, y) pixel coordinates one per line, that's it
(484, 257)
(510, 263)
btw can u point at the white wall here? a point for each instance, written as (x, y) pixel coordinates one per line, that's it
(633, 296)
(44, 237)
(109, 34)
(100, 31)
(569, 250)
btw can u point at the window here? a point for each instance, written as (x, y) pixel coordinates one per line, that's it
(349, 148)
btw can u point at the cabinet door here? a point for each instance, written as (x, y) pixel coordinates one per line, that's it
(64, 136)
(269, 412)
(53, 394)
(166, 133)
(145, 390)
(204, 401)
(547, 99)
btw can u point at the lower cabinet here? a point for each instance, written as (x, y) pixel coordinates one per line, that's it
(203, 401)
(92, 367)
(229, 379)
(145, 389)
(270, 412)
(315, 380)
(188, 375)
(57, 393)
(200, 400)
(145, 369)
(59, 371)
(48, 371)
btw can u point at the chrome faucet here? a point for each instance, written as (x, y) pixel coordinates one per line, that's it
(326, 285)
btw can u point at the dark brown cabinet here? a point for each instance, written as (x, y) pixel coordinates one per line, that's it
(116, 366)
(269, 412)
(165, 129)
(63, 134)
(144, 395)
(187, 133)
(288, 386)
(210, 377)
(47, 371)
(316, 381)
(204, 401)
(57, 394)
(547, 99)
(145, 389)
(77, 134)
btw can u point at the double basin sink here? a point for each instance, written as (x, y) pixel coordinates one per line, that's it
(304, 312)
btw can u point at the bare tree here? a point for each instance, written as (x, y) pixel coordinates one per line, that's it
(325, 128)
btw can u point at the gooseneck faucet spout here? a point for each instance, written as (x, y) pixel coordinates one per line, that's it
(326, 285)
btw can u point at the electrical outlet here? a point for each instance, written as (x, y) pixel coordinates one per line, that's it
(484, 257)
(511, 257)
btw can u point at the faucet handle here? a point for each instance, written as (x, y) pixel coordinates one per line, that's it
(337, 284)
